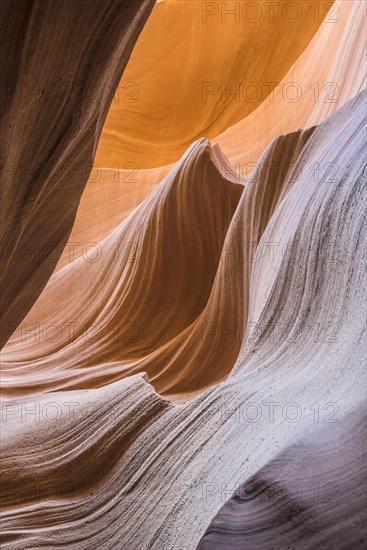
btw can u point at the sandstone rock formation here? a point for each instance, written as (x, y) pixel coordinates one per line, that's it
(192, 376)
(60, 66)
(323, 86)
(217, 73)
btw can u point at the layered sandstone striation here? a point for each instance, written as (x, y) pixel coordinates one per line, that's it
(60, 67)
(192, 374)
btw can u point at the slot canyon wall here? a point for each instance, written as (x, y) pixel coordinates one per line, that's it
(183, 285)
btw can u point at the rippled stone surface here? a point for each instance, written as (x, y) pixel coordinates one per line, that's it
(192, 376)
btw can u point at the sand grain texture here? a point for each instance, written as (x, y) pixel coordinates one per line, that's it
(196, 380)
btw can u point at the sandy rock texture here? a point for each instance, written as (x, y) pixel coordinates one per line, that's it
(187, 370)
(60, 66)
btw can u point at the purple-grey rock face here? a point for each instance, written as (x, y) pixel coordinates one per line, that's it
(311, 495)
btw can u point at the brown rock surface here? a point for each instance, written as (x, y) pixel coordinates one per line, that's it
(61, 63)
